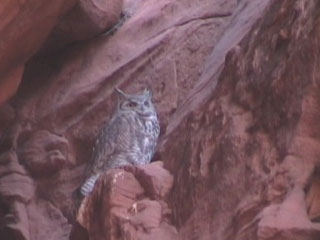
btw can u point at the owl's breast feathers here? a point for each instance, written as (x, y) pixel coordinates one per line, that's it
(126, 139)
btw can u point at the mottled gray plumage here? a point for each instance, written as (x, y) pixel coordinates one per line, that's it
(129, 138)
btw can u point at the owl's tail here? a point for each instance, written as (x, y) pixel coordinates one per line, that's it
(88, 186)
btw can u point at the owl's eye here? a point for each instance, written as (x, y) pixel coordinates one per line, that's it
(146, 103)
(132, 104)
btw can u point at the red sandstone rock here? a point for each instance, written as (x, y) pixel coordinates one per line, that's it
(313, 198)
(15, 182)
(44, 153)
(10, 83)
(46, 221)
(24, 26)
(119, 207)
(87, 19)
(16, 190)
(154, 178)
(250, 150)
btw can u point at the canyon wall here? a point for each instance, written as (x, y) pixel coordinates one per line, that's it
(236, 88)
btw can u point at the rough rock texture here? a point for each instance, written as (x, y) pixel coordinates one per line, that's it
(125, 205)
(43, 153)
(16, 190)
(236, 87)
(251, 150)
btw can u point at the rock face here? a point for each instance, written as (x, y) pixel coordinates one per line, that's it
(236, 87)
(128, 205)
(251, 150)
(87, 19)
(24, 27)
(44, 153)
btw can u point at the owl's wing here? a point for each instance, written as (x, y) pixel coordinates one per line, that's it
(110, 139)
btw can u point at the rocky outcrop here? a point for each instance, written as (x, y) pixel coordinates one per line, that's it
(128, 204)
(16, 190)
(44, 153)
(235, 84)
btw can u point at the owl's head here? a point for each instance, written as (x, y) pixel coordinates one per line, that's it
(140, 104)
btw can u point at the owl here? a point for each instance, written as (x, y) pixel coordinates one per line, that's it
(129, 138)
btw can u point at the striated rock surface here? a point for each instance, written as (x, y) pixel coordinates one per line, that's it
(16, 190)
(251, 150)
(235, 84)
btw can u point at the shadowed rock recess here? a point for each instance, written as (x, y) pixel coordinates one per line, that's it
(236, 85)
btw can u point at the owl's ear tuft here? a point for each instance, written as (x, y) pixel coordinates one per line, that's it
(147, 92)
(121, 93)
